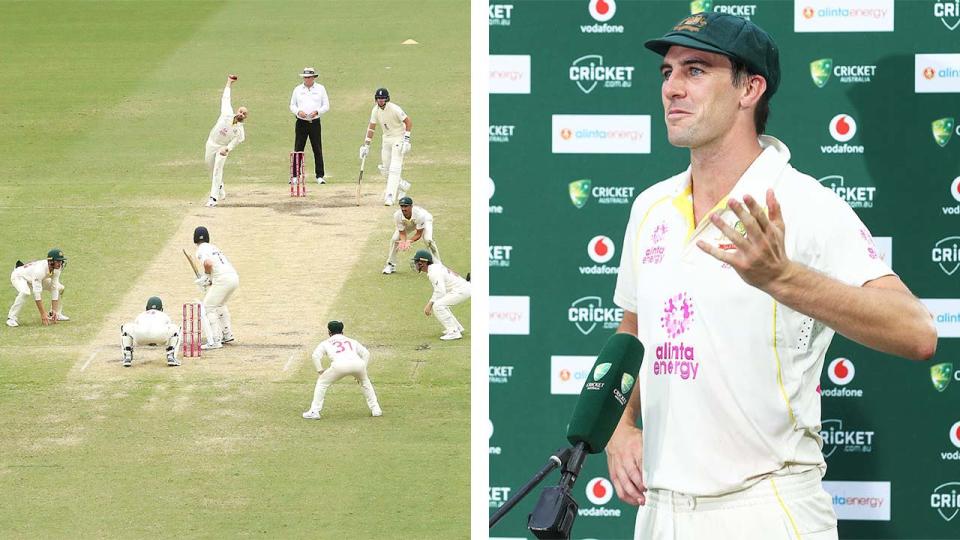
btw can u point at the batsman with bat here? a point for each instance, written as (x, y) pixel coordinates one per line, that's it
(395, 143)
(218, 280)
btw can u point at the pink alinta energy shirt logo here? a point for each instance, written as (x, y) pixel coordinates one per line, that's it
(676, 358)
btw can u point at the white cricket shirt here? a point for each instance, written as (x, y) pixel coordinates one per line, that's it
(152, 318)
(225, 132)
(445, 280)
(34, 273)
(310, 100)
(729, 379)
(390, 118)
(339, 348)
(418, 219)
(221, 265)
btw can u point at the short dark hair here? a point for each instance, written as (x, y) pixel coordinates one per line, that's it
(740, 74)
(335, 327)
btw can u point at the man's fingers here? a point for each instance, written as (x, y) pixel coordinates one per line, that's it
(731, 234)
(749, 223)
(715, 252)
(757, 212)
(773, 207)
(630, 491)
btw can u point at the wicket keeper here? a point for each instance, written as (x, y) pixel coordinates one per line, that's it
(152, 327)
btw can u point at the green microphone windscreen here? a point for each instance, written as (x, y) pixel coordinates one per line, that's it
(605, 392)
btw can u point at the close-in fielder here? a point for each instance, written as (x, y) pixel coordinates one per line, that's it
(347, 358)
(218, 279)
(226, 134)
(747, 267)
(409, 220)
(449, 289)
(32, 279)
(152, 327)
(395, 143)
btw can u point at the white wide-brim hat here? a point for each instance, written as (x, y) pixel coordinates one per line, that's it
(309, 72)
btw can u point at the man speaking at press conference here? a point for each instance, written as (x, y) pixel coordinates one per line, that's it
(735, 275)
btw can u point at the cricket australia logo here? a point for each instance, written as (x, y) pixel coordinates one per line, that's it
(942, 131)
(940, 375)
(946, 253)
(820, 71)
(677, 315)
(700, 6)
(580, 192)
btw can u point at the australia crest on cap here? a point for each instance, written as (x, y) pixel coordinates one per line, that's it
(693, 23)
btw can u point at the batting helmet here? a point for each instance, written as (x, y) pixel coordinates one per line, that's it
(200, 235)
(423, 256)
(335, 327)
(154, 302)
(56, 254)
(382, 93)
(406, 201)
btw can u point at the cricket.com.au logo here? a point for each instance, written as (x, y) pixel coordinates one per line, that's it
(948, 12)
(500, 14)
(945, 499)
(582, 190)
(822, 69)
(941, 375)
(946, 253)
(854, 195)
(835, 437)
(588, 71)
(744, 11)
(943, 130)
(588, 312)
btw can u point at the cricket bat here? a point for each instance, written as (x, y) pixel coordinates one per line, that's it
(193, 265)
(360, 178)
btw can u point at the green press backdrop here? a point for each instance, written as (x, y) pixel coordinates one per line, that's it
(869, 104)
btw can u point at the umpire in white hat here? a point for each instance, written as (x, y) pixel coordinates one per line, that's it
(308, 103)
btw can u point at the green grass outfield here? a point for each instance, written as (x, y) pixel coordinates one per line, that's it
(104, 108)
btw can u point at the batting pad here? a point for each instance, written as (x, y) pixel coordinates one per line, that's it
(393, 175)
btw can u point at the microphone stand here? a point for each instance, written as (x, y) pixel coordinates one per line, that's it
(558, 459)
(555, 511)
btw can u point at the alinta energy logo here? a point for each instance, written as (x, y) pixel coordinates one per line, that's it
(499, 256)
(500, 133)
(500, 14)
(842, 128)
(599, 491)
(744, 11)
(943, 130)
(822, 69)
(582, 190)
(841, 372)
(946, 253)
(948, 13)
(588, 71)
(855, 196)
(942, 374)
(601, 250)
(587, 313)
(954, 435)
(491, 189)
(602, 11)
(945, 499)
(835, 437)
(677, 357)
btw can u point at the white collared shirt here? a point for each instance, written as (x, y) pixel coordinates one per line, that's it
(339, 348)
(445, 280)
(310, 100)
(418, 219)
(35, 273)
(221, 265)
(390, 118)
(226, 132)
(729, 381)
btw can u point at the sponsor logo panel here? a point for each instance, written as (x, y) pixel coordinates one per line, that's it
(509, 74)
(843, 16)
(936, 73)
(569, 373)
(946, 315)
(510, 315)
(590, 71)
(865, 501)
(494, 450)
(601, 134)
(588, 312)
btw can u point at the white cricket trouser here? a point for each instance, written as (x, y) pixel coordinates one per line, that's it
(441, 308)
(386, 153)
(793, 507)
(25, 293)
(215, 163)
(427, 239)
(340, 369)
(216, 319)
(150, 334)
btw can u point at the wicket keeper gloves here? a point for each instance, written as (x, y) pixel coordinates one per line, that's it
(405, 147)
(364, 150)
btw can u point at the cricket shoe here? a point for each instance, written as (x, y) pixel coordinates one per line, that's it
(222, 194)
(311, 415)
(211, 202)
(60, 316)
(376, 412)
(227, 339)
(389, 268)
(127, 360)
(388, 199)
(208, 346)
(320, 180)
(450, 336)
(12, 323)
(172, 360)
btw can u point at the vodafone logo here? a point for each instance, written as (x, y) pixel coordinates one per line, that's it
(841, 371)
(843, 127)
(808, 12)
(955, 188)
(929, 73)
(601, 249)
(602, 10)
(489, 428)
(599, 491)
(955, 434)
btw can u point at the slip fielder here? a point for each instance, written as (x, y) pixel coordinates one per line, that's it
(32, 279)
(218, 280)
(152, 327)
(395, 143)
(449, 289)
(410, 220)
(347, 358)
(226, 134)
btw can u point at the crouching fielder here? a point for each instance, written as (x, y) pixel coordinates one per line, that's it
(152, 327)
(449, 289)
(219, 279)
(226, 134)
(32, 279)
(413, 223)
(347, 358)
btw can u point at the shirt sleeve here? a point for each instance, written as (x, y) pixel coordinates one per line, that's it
(55, 285)
(401, 115)
(293, 103)
(373, 115)
(324, 101)
(439, 287)
(318, 356)
(226, 109)
(847, 251)
(362, 351)
(625, 294)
